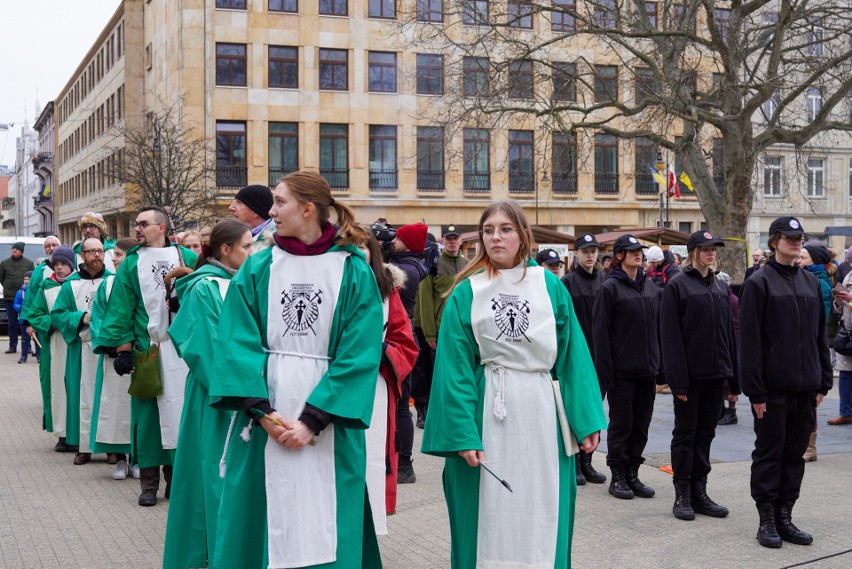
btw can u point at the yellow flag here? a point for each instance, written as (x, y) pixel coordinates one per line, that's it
(686, 181)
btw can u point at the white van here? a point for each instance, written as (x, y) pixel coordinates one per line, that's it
(34, 249)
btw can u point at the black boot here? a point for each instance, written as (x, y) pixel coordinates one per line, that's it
(581, 479)
(701, 502)
(421, 416)
(767, 535)
(589, 471)
(730, 417)
(785, 527)
(639, 489)
(149, 482)
(682, 508)
(61, 445)
(618, 485)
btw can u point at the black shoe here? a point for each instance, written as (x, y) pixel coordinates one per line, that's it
(22, 360)
(581, 480)
(12, 351)
(406, 475)
(682, 508)
(767, 535)
(618, 485)
(631, 475)
(421, 416)
(730, 417)
(61, 446)
(784, 525)
(589, 471)
(701, 502)
(148, 498)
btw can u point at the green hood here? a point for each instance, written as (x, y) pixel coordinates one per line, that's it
(185, 284)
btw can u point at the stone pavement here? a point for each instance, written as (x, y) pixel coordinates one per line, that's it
(54, 514)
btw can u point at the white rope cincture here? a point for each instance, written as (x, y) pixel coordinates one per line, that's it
(227, 443)
(297, 354)
(500, 411)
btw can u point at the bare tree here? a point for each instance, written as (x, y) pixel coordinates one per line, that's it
(712, 82)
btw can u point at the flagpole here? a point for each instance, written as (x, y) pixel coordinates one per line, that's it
(668, 191)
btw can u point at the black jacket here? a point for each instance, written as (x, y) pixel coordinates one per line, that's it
(783, 344)
(697, 332)
(583, 286)
(626, 329)
(412, 265)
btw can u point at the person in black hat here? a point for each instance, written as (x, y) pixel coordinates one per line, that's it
(697, 330)
(785, 370)
(627, 357)
(12, 278)
(549, 259)
(251, 205)
(583, 283)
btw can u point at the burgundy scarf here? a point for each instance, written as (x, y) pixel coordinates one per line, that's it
(318, 247)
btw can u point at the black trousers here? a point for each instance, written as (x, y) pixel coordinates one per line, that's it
(149, 477)
(694, 429)
(404, 423)
(421, 375)
(781, 438)
(12, 316)
(631, 404)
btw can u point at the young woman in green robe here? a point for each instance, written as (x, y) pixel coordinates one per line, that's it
(514, 387)
(302, 346)
(196, 484)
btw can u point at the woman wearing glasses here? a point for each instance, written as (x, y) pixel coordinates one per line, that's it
(785, 370)
(514, 387)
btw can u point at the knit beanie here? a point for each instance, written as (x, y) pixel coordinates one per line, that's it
(654, 254)
(28, 274)
(19, 245)
(414, 236)
(92, 218)
(819, 254)
(65, 254)
(258, 199)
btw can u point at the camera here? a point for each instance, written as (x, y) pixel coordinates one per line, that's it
(383, 230)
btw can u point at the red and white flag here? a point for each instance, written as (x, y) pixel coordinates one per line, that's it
(674, 189)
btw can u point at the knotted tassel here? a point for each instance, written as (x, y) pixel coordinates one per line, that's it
(500, 411)
(227, 443)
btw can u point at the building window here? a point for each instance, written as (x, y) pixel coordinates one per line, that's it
(645, 155)
(430, 74)
(816, 177)
(606, 164)
(606, 14)
(521, 174)
(650, 14)
(231, 64)
(562, 16)
(684, 226)
(334, 155)
(772, 176)
(684, 19)
(284, 6)
(475, 12)
(718, 157)
(231, 168)
(814, 102)
(383, 173)
(430, 11)
(521, 79)
(606, 83)
(231, 4)
(477, 169)
(430, 158)
(334, 69)
(382, 72)
(771, 105)
(475, 76)
(646, 83)
(283, 66)
(520, 14)
(564, 81)
(333, 8)
(385, 9)
(722, 16)
(564, 164)
(815, 36)
(283, 150)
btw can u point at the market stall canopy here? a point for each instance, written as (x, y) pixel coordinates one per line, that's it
(656, 235)
(540, 235)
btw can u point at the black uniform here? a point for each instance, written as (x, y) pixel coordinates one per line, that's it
(697, 330)
(583, 286)
(784, 362)
(627, 358)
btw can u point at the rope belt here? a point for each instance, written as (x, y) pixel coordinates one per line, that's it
(297, 354)
(499, 408)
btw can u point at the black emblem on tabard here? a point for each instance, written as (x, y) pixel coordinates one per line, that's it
(160, 269)
(301, 307)
(89, 299)
(511, 314)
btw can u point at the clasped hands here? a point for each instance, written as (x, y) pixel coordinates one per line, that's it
(291, 434)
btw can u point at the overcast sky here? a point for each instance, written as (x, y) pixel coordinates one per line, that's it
(41, 44)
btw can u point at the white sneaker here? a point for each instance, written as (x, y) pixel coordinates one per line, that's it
(121, 470)
(134, 471)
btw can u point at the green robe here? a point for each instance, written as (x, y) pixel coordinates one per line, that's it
(346, 391)
(41, 272)
(457, 406)
(39, 318)
(126, 321)
(196, 484)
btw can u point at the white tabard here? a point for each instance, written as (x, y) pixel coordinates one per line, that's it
(58, 353)
(114, 407)
(515, 329)
(84, 294)
(300, 484)
(152, 266)
(377, 436)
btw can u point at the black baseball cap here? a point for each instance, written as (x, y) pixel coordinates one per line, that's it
(584, 241)
(449, 230)
(548, 257)
(788, 225)
(626, 243)
(703, 239)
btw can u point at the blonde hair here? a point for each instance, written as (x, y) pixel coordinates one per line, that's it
(310, 187)
(193, 232)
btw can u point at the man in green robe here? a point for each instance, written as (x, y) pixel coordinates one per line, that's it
(93, 225)
(137, 315)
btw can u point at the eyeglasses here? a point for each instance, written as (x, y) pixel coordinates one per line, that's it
(144, 224)
(90, 226)
(94, 251)
(504, 231)
(794, 238)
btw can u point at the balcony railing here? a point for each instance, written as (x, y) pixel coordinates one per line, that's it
(276, 174)
(231, 176)
(42, 157)
(646, 185)
(430, 181)
(477, 183)
(606, 184)
(565, 184)
(337, 178)
(521, 183)
(42, 201)
(384, 180)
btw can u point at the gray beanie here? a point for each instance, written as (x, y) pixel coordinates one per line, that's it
(65, 254)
